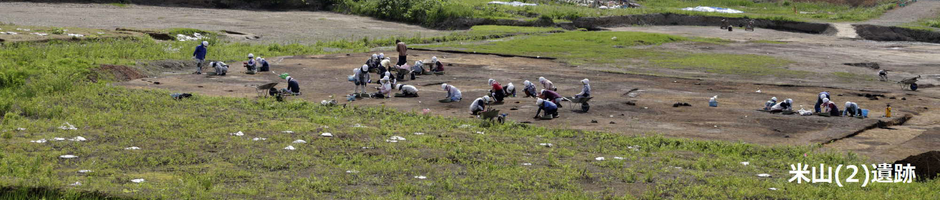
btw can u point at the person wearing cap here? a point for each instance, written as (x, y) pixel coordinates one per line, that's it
(851, 110)
(406, 91)
(547, 84)
(585, 89)
(529, 89)
(265, 66)
(551, 109)
(220, 68)
(497, 92)
(251, 65)
(384, 89)
(362, 78)
(373, 62)
(552, 96)
(402, 52)
(453, 94)
(436, 65)
(831, 108)
(770, 103)
(200, 56)
(510, 90)
(384, 66)
(293, 87)
(819, 100)
(785, 105)
(479, 105)
(417, 69)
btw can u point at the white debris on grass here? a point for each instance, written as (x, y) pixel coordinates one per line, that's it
(745, 163)
(76, 35)
(713, 9)
(600, 158)
(78, 139)
(618, 158)
(290, 148)
(67, 126)
(68, 156)
(288, 132)
(773, 189)
(326, 134)
(421, 177)
(20, 129)
(239, 133)
(546, 144)
(23, 29)
(299, 142)
(132, 148)
(481, 132)
(419, 133)
(58, 139)
(514, 3)
(352, 171)
(9, 33)
(763, 175)
(634, 147)
(526, 164)
(395, 139)
(359, 126)
(259, 139)
(40, 141)
(40, 34)
(196, 36)
(465, 126)
(139, 180)
(84, 171)
(76, 184)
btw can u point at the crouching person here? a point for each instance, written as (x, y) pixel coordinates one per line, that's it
(453, 94)
(384, 88)
(293, 87)
(769, 104)
(551, 109)
(436, 65)
(510, 90)
(585, 89)
(406, 91)
(251, 65)
(830, 108)
(479, 105)
(220, 68)
(784, 106)
(552, 96)
(547, 84)
(265, 66)
(498, 93)
(529, 89)
(851, 110)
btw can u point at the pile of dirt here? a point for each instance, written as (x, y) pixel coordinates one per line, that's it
(872, 65)
(668, 19)
(927, 164)
(893, 33)
(119, 72)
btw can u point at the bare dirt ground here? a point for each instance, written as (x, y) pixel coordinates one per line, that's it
(273, 26)
(911, 13)
(736, 119)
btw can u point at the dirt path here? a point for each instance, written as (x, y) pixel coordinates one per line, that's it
(613, 109)
(910, 13)
(274, 27)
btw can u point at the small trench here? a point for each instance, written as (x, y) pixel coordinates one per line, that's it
(880, 124)
(893, 33)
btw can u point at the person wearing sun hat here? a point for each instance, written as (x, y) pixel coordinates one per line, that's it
(251, 65)
(453, 94)
(293, 87)
(551, 109)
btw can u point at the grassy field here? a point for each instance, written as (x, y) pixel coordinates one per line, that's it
(631, 49)
(187, 150)
(430, 12)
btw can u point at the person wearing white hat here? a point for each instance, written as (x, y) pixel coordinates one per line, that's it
(529, 89)
(771, 103)
(406, 91)
(384, 89)
(551, 109)
(819, 100)
(265, 66)
(251, 65)
(585, 89)
(479, 105)
(436, 65)
(785, 105)
(361, 78)
(200, 56)
(417, 69)
(453, 94)
(220, 68)
(497, 92)
(851, 110)
(831, 108)
(293, 87)
(373, 62)
(547, 84)
(384, 66)
(510, 90)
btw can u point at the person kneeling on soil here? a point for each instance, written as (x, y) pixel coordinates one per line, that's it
(265, 66)
(220, 68)
(831, 109)
(251, 65)
(552, 96)
(383, 67)
(585, 89)
(417, 69)
(384, 89)
(510, 90)
(436, 65)
(783, 106)
(479, 105)
(529, 89)
(373, 62)
(551, 109)
(406, 91)
(293, 87)
(547, 84)
(498, 93)
(819, 100)
(453, 94)
(771, 103)
(851, 110)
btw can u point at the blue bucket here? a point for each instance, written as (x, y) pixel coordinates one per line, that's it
(865, 113)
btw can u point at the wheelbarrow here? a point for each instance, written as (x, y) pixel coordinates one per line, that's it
(909, 83)
(263, 90)
(583, 101)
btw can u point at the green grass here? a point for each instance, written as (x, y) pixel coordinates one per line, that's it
(187, 152)
(600, 48)
(122, 5)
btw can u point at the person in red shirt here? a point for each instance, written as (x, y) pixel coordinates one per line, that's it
(497, 92)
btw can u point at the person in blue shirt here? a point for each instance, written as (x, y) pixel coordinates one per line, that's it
(551, 110)
(200, 56)
(819, 100)
(851, 110)
(293, 87)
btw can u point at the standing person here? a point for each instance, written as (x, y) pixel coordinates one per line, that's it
(819, 101)
(362, 78)
(200, 56)
(402, 52)
(453, 94)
